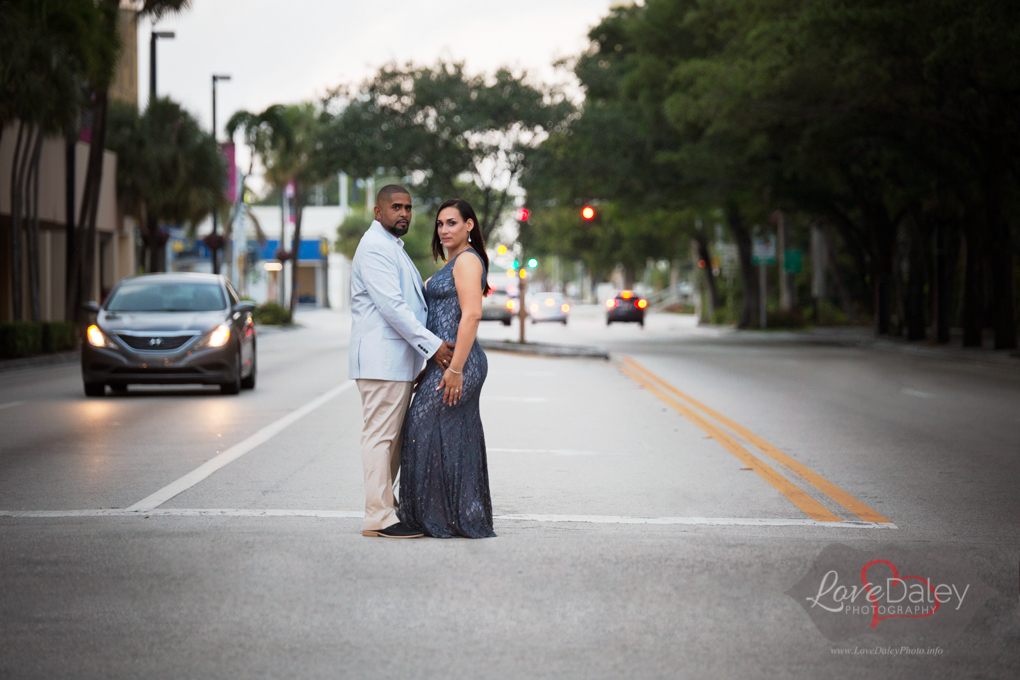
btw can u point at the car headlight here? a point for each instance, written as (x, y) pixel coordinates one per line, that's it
(95, 336)
(219, 336)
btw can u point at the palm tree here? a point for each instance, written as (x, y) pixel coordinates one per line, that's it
(47, 52)
(169, 170)
(285, 139)
(83, 261)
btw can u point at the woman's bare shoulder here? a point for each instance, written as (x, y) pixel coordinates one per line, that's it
(471, 265)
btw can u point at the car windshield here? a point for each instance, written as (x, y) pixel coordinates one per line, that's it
(167, 296)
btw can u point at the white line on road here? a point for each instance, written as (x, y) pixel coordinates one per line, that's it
(526, 400)
(357, 514)
(236, 451)
(11, 404)
(555, 452)
(917, 393)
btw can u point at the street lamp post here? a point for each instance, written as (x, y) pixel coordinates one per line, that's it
(216, 213)
(152, 59)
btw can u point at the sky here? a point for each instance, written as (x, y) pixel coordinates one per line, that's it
(286, 51)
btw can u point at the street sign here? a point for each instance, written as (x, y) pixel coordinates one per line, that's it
(763, 251)
(792, 260)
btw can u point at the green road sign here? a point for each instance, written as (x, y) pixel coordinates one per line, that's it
(792, 260)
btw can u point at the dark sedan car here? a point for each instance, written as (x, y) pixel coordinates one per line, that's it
(170, 329)
(626, 306)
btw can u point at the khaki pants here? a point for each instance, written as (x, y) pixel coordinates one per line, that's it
(384, 405)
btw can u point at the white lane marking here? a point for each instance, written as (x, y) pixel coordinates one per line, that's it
(555, 452)
(357, 514)
(917, 393)
(11, 404)
(705, 521)
(237, 450)
(526, 400)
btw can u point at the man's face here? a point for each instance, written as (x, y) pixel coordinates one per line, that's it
(395, 214)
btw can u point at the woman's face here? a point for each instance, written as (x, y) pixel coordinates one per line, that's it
(453, 229)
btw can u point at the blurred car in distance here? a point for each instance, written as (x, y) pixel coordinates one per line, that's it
(548, 307)
(498, 306)
(170, 329)
(626, 306)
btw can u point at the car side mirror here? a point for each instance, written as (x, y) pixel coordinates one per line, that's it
(91, 306)
(244, 307)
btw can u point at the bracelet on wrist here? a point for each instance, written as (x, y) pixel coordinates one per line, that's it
(457, 372)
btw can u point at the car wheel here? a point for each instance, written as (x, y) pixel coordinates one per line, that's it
(506, 322)
(234, 385)
(249, 382)
(118, 388)
(609, 321)
(93, 389)
(564, 322)
(642, 322)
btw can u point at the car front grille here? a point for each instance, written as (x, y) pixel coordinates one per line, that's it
(154, 343)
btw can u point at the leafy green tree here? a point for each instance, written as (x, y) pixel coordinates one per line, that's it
(451, 133)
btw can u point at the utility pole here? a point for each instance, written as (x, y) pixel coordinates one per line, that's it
(152, 59)
(214, 253)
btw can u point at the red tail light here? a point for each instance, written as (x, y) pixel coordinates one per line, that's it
(642, 304)
(564, 308)
(610, 303)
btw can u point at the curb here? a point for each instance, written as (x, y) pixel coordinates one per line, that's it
(40, 361)
(544, 350)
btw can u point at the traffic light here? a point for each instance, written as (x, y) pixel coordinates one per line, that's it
(523, 214)
(532, 263)
(517, 264)
(501, 249)
(588, 213)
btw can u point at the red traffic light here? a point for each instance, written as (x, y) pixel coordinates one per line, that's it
(588, 213)
(523, 214)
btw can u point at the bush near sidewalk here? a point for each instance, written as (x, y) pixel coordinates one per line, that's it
(20, 339)
(272, 314)
(59, 336)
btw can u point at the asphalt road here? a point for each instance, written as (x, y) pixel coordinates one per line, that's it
(652, 512)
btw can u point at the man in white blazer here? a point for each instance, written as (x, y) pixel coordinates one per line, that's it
(389, 342)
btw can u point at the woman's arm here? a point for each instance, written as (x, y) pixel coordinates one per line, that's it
(467, 277)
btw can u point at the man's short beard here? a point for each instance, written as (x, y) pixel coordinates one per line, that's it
(398, 230)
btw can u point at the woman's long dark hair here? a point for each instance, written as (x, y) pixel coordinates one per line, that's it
(475, 242)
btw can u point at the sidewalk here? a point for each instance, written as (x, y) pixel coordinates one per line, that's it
(863, 337)
(40, 361)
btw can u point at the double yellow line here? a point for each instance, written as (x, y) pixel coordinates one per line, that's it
(812, 508)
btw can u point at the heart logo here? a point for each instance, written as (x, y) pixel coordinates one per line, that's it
(875, 618)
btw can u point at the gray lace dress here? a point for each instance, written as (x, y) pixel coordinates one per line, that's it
(444, 479)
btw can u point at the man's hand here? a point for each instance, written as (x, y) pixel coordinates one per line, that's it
(443, 355)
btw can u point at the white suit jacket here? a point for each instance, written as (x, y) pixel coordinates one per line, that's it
(389, 340)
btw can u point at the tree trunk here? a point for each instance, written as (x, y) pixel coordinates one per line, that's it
(1000, 255)
(296, 247)
(882, 234)
(845, 301)
(70, 174)
(713, 292)
(914, 298)
(749, 312)
(32, 200)
(95, 166)
(973, 289)
(17, 310)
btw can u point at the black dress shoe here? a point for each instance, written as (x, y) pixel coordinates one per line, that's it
(398, 530)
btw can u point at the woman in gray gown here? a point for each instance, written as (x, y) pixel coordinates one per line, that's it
(444, 480)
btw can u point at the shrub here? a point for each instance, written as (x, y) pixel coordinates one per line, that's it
(20, 339)
(272, 314)
(59, 336)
